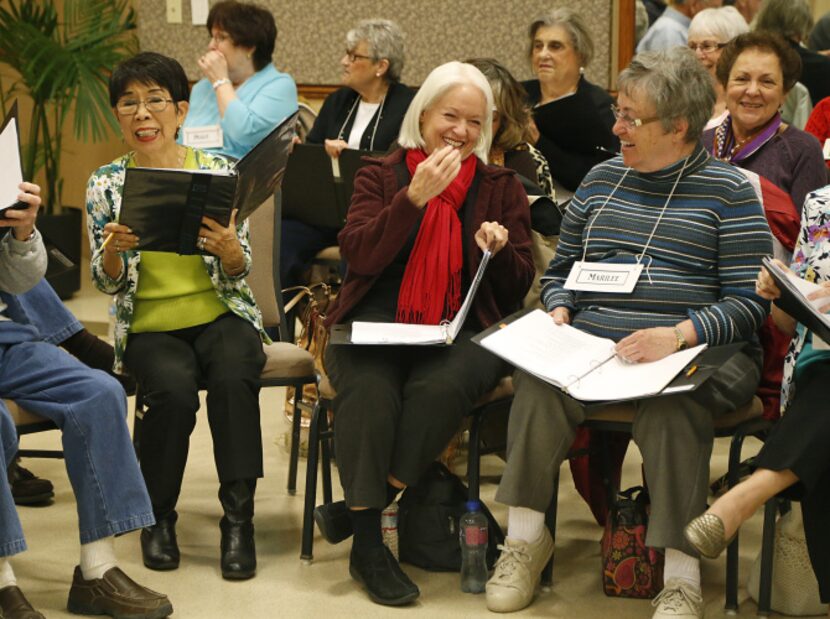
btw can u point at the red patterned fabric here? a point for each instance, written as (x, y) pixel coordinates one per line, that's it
(431, 286)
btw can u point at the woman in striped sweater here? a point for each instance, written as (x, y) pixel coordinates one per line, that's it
(698, 229)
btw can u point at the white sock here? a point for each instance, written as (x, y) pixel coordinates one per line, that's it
(525, 524)
(7, 578)
(680, 566)
(97, 557)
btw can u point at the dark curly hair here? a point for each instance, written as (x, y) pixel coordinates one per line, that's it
(149, 68)
(765, 41)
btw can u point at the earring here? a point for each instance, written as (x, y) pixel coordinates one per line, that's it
(581, 70)
(377, 74)
(250, 54)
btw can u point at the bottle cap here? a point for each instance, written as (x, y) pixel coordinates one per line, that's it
(473, 506)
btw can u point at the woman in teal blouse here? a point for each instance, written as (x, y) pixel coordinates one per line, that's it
(242, 96)
(181, 322)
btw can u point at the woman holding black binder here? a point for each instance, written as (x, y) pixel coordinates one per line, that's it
(181, 321)
(794, 457)
(365, 114)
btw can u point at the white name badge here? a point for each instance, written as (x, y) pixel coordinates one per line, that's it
(203, 137)
(601, 277)
(826, 149)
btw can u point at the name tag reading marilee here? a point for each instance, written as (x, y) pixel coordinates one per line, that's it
(602, 277)
(209, 136)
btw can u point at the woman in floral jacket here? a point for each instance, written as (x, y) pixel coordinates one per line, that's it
(182, 322)
(794, 457)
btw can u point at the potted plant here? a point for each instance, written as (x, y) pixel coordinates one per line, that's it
(61, 57)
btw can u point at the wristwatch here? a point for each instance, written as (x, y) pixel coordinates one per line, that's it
(679, 341)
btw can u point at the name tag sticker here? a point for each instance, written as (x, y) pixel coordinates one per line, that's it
(203, 137)
(826, 149)
(601, 277)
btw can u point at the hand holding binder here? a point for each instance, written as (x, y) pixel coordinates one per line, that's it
(164, 207)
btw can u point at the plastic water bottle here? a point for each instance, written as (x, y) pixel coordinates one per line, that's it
(474, 537)
(389, 527)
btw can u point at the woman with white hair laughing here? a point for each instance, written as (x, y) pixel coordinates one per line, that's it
(413, 240)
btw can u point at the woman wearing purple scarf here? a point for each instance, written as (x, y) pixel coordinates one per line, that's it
(757, 70)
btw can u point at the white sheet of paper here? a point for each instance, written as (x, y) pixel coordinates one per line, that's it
(603, 277)
(10, 170)
(199, 12)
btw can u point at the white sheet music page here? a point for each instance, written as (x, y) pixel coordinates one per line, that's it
(403, 333)
(10, 170)
(617, 380)
(558, 354)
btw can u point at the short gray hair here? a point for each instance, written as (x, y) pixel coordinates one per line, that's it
(792, 19)
(385, 40)
(439, 82)
(573, 24)
(676, 84)
(723, 24)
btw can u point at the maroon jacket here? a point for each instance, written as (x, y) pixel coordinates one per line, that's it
(381, 218)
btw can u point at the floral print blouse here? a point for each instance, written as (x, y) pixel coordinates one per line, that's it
(811, 261)
(103, 205)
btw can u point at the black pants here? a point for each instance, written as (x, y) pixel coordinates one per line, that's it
(397, 407)
(226, 357)
(799, 442)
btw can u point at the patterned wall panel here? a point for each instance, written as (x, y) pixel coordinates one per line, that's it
(312, 33)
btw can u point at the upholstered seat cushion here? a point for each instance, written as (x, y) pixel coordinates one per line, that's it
(21, 416)
(624, 413)
(285, 360)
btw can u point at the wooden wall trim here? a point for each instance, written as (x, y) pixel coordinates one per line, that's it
(316, 91)
(625, 34)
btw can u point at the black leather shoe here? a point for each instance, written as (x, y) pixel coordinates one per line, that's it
(159, 549)
(382, 577)
(334, 521)
(28, 488)
(14, 605)
(238, 550)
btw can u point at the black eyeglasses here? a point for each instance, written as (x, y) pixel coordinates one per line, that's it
(629, 122)
(353, 57)
(128, 107)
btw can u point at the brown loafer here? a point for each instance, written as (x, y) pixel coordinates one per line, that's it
(14, 605)
(116, 595)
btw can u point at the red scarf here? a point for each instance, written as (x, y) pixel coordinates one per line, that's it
(431, 286)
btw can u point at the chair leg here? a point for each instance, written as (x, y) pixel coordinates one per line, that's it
(474, 459)
(731, 603)
(294, 458)
(325, 452)
(306, 552)
(767, 551)
(550, 522)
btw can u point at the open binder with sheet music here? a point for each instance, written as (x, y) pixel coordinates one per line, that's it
(164, 206)
(586, 367)
(11, 170)
(317, 189)
(794, 301)
(398, 333)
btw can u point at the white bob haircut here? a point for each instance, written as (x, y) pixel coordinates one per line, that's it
(441, 80)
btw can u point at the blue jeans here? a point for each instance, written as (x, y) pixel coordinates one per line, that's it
(41, 308)
(90, 409)
(11, 533)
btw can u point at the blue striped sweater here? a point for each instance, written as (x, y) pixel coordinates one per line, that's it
(705, 253)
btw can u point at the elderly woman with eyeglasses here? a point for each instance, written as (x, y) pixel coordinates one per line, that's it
(242, 95)
(182, 322)
(365, 114)
(571, 116)
(709, 32)
(698, 229)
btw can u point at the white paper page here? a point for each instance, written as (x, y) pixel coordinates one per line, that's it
(806, 288)
(461, 316)
(199, 12)
(396, 333)
(617, 380)
(558, 354)
(10, 174)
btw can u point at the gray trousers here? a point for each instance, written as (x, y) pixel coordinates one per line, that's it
(674, 433)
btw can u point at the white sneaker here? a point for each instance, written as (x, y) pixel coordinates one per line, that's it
(517, 572)
(678, 599)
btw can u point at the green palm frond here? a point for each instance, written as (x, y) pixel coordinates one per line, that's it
(63, 65)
